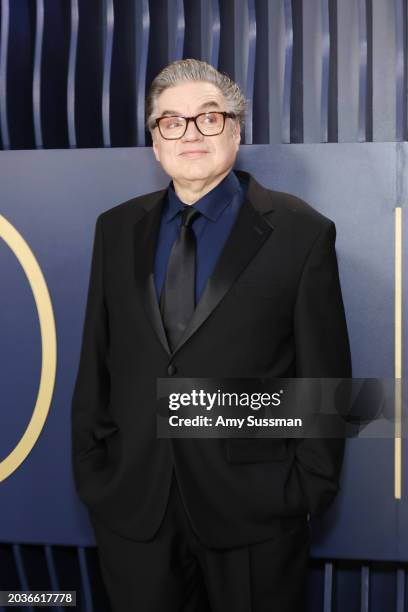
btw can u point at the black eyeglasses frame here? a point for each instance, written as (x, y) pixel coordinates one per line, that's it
(188, 119)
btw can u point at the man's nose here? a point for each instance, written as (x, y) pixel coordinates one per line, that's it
(192, 133)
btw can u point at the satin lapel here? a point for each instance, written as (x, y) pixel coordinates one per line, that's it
(145, 237)
(246, 238)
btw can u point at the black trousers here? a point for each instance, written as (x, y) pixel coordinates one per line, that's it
(174, 572)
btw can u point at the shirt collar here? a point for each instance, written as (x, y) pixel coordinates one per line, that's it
(212, 204)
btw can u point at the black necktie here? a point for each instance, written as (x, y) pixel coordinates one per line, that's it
(177, 300)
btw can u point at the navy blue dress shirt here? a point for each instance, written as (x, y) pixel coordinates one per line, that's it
(219, 209)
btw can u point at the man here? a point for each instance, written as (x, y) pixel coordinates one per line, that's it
(215, 276)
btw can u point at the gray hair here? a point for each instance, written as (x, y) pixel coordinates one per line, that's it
(185, 70)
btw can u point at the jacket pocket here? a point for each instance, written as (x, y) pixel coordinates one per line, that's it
(255, 450)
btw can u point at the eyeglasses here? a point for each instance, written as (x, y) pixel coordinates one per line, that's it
(208, 124)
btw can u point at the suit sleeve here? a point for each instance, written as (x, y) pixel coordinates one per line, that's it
(91, 392)
(322, 351)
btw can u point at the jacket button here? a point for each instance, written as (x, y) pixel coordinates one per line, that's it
(171, 370)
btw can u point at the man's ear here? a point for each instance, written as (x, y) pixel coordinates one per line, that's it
(155, 147)
(237, 133)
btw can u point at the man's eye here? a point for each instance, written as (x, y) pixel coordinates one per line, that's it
(171, 124)
(210, 118)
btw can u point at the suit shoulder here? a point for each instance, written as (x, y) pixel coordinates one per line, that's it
(302, 211)
(131, 208)
(281, 205)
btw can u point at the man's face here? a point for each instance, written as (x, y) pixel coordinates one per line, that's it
(195, 157)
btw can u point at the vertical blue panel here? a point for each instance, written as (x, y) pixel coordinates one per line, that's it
(39, 32)
(332, 75)
(210, 31)
(276, 50)
(369, 112)
(260, 98)
(54, 68)
(4, 41)
(365, 588)
(383, 588)
(317, 58)
(346, 587)
(349, 62)
(288, 71)
(176, 25)
(71, 76)
(142, 22)
(89, 75)
(364, 101)
(52, 572)
(384, 70)
(157, 57)
(108, 28)
(296, 94)
(51, 568)
(313, 58)
(226, 61)
(328, 587)
(245, 45)
(401, 69)
(20, 62)
(249, 90)
(400, 589)
(124, 74)
(193, 30)
(21, 571)
(325, 62)
(315, 586)
(8, 575)
(87, 605)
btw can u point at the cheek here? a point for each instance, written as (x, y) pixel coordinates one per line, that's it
(228, 152)
(166, 156)
(228, 148)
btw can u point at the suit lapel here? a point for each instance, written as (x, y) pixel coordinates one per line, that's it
(247, 236)
(146, 233)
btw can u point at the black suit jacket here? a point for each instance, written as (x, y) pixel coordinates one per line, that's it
(272, 308)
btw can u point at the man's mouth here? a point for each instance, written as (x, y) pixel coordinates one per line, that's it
(193, 153)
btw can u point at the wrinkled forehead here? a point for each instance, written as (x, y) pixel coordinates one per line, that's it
(189, 99)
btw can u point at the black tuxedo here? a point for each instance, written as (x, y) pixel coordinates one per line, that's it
(271, 308)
